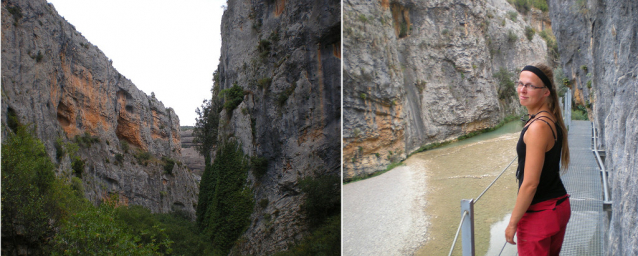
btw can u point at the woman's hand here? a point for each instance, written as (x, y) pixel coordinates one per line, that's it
(509, 233)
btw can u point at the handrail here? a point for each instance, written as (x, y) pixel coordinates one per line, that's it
(457, 232)
(472, 202)
(488, 187)
(603, 172)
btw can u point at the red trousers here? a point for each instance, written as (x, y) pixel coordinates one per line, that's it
(542, 228)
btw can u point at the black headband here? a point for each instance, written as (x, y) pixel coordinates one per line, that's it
(540, 75)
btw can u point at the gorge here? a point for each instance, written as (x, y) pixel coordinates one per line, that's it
(419, 73)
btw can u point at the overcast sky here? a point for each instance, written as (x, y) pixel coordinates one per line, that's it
(170, 48)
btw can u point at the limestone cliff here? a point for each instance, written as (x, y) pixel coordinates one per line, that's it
(421, 72)
(598, 42)
(67, 89)
(285, 55)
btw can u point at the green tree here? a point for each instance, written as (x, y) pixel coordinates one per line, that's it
(225, 201)
(27, 182)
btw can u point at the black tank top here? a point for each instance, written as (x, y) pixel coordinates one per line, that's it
(549, 186)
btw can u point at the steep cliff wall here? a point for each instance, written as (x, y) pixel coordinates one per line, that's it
(57, 81)
(420, 72)
(603, 36)
(285, 55)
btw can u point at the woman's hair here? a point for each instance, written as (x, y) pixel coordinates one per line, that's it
(554, 106)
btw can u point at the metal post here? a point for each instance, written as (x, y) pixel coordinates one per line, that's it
(467, 227)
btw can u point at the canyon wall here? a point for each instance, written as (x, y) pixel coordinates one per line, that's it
(57, 82)
(285, 56)
(598, 45)
(422, 72)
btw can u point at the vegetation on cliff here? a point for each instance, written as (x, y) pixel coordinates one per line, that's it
(48, 214)
(225, 200)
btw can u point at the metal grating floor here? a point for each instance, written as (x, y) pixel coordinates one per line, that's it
(583, 183)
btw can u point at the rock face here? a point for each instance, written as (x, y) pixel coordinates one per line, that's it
(421, 72)
(603, 36)
(57, 81)
(191, 158)
(285, 55)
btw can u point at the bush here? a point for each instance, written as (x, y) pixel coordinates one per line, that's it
(511, 36)
(506, 87)
(264, 48)
(233, 96)
(264, 82)
(168, 165)
(78, 166)
(283, 96)
(512, 15)
(323, 198)
(529, 33)
(259, 165)
(143, 157)
(125, 146)
(93, 231)
(86, 140)
(12, 120)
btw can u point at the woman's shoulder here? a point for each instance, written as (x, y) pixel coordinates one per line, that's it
(541, 127)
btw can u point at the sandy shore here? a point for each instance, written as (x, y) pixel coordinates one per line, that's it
(384, 215)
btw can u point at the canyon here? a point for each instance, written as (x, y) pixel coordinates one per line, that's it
(63, 87)
(419, 73)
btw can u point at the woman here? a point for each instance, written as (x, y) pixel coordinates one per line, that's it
(542, 207)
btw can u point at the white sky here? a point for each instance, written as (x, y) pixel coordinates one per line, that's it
(170, 48)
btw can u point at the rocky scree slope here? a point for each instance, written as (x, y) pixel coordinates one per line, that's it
(285, 56)
(67, 89)
(422, 72)
(603, 37)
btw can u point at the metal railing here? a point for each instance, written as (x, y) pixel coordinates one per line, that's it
(603, 173)
(467, 219)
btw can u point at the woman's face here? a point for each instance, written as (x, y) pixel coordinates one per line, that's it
(531, 94)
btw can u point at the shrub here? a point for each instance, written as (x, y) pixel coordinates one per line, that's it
(259, 165)
(529, 33)
(323, 198)
(363, 18)
(16, 11)
(264, 82)
(93, 231)
(264, 48)
(404, 30)
(168, 165)
(511, 36)
(119, 158)
(363, 96)
(512, 15)
(283, 96)
(12, 120)
(506, 87)
(125, 146)
(584, 68)
(78, 166)
(143, 157)
(263, 203)
(233, 96)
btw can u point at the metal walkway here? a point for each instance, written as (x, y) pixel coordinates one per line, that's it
(584, 235)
